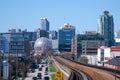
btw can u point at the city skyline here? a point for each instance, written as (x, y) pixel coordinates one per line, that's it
(81, 14)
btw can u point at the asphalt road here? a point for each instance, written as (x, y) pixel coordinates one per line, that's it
(31, 75)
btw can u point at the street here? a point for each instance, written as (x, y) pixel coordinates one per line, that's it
(34, 74)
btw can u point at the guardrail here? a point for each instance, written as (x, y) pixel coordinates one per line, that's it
(75, 74)
(98, 67)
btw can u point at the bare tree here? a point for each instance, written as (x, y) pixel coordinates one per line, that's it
(48, 51)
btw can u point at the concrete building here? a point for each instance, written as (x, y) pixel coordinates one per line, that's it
(117, 38)
(106, 28)
(65, 35)
(88, 43)
(107, 53)
(17, 44)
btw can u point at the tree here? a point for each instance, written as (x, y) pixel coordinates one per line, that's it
(48, 51)
(23, 66)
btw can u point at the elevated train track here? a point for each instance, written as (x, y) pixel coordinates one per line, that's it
(92, 73)
(75, 76)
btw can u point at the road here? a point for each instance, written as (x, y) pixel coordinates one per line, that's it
(31, 75)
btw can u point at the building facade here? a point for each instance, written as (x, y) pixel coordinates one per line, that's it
(117, 38)
(31, 37)
(17, 44)
(107, 53)
(53, 35)
(44, 24)
(3, 44)
(73, 46)
(4, 41)
(42, 33)
(18, 40)
(88, 43)
(65, 35)
(106, 28)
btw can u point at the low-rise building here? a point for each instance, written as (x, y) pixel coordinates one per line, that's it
(88, 43)
(107, 53)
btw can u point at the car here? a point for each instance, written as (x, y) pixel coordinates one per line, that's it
(29, 70)
(46, 78)
(42, 65)
(46, 72)
(40, 69)
(36, 66)
(34, 78)
(46, 69)
(32, 70)
(39, 76)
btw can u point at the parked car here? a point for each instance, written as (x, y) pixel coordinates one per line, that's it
(34, 78)
(46, 78)
(40, 69)
(46, 69)
(42, 65)
(39, 76)
(46, 72)
(31, 70)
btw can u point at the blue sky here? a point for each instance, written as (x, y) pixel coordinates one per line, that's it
(83, 14)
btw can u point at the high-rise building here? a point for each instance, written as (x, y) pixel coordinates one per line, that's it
(65, 35)
(44, 24)
(106, 28)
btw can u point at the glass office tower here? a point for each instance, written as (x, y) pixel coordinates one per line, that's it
(106, 28)
(65, 35)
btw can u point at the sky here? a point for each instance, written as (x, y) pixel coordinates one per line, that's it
(83, 14)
